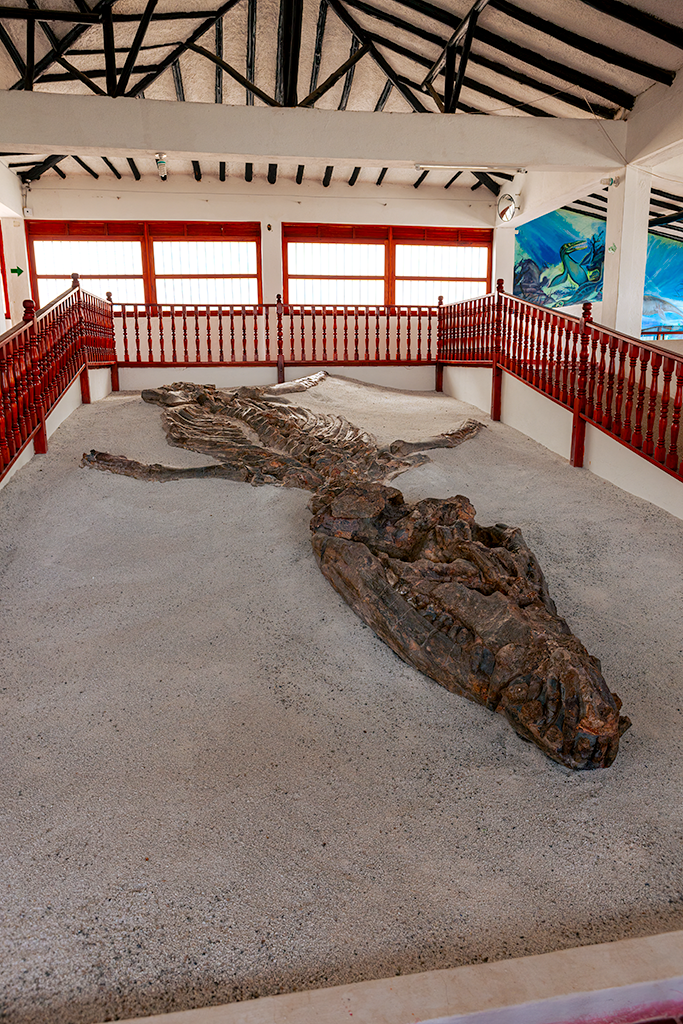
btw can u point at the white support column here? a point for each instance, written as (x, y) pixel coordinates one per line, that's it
(16, 258)
(271, 258)
(628, 207)
(504, 256)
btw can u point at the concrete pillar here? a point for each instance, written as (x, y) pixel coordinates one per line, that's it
(16, 256)
(628, 207)
(504, 256)
(271, 259)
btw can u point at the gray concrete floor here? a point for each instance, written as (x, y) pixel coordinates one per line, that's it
(218, 783)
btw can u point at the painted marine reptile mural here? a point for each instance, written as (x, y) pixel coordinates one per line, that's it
(467, 605)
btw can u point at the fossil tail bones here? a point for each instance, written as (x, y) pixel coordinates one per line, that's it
(467, 605)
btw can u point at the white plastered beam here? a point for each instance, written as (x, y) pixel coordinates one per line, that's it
(10, 193)
(655, 127)
(42, 122)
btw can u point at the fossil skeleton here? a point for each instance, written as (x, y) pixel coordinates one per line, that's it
(465, 604)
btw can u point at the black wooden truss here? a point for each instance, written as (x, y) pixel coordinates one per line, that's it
(465, 56)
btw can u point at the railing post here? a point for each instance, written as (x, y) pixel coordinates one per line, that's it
(40, 437)
(115, 365)
(438, 384)
(280, 353)
(496, 368)
(579, 420)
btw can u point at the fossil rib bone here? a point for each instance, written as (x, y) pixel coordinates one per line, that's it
(465, 604)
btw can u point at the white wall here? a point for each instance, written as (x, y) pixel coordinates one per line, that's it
(16, 255)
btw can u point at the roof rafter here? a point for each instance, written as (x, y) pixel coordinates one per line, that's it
(649, 23)
(234, 74)
(349, 63)
(135, 47)
(289, 48)
(179, 50)
(584, 43)
(382, 63)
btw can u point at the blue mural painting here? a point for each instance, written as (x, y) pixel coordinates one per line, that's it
(663, 298)
(559, 259)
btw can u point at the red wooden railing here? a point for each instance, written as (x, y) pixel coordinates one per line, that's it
(274, 334)
(627, 387)
(41, 357)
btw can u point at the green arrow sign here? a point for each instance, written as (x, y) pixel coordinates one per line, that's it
(17, 270)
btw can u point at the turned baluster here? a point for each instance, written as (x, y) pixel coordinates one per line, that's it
(528, 345)
(148, 314)
(221, 357)
(7, 449)
(209, 356)
(377, 318)
(243, 314)
(314, 344)
(409, 333)
(429, 334)
(160, 327)
(667, 373)
(630, 390)
(637, 437)
(621, 379)
(366, 313)
(281, 351)
(31, 363)
(611, 381)
(323, 316)
(290, 311)
(592, 377)
(355, 337)
(672, 456)
(232, 334)
(258, 311)
(266, 319)
(599, 411)
(656, 363)
(303, 332)
(197, 337)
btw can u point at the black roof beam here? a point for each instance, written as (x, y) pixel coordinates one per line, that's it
(468, 83)
(134, 168)
(75, 72)
(381, 62)
(584, 44)
(36, 14)
(58, 171)
(30, 55)
(416, 184)
(221, 170)
(348, 81)
(117, 174)
(85, 166)
(251, 48)
(452, 98)
(109, 51)
(128, 67)
(197, 171)
(289, 49)
(327, 176)
(384, 95)
(218, 85)
(345, 69)
(639, 19)
(488, 182)
(481, 60)
(234, 74)
(534, 59)
(381, 176)
(454, 178)
(248, 172)
(64, 44)
(668, 219)
(318, 47)
(461, 31)
(272, 174)
(179, 50)
(14, 54)
(354, 176)
(46, 165)
(178, 82)
(300, 174)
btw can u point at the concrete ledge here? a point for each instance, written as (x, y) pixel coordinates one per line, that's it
(405, 378)
(611, 983)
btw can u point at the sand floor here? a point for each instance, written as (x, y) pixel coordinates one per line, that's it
(218, 783)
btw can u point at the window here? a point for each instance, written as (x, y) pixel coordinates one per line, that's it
(166, 262)
(338, 264)
(103, 266)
